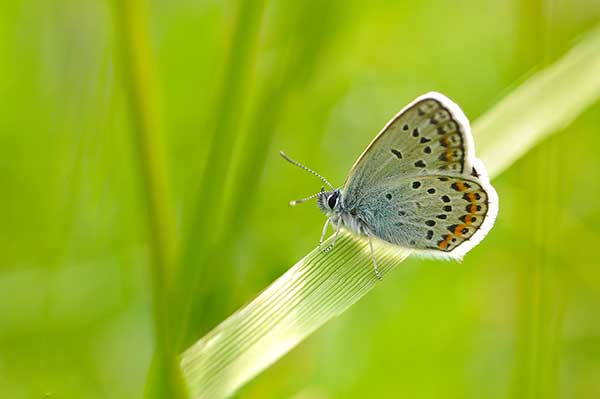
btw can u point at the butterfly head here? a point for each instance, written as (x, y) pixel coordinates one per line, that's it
(329, 201)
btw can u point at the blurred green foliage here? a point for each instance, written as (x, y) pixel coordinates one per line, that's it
(518, 318)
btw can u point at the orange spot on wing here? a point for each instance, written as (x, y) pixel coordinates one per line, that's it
(471, 197)
(449, 155)
(443, 244)
(458, 230)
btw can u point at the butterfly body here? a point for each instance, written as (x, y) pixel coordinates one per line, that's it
(418, 184)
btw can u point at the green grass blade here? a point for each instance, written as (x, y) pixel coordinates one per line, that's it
(320, 286)
(142, 99)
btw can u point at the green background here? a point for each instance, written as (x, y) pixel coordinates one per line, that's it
(519, 318)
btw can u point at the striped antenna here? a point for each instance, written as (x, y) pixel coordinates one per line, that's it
(298, 164)
(299, 201)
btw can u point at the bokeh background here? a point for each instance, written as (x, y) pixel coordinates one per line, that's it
(519, 318)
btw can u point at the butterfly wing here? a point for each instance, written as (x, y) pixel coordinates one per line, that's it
(419, 185)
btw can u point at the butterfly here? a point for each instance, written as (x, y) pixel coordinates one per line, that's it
(417, 185)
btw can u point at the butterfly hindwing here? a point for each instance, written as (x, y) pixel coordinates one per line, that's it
(445, 214)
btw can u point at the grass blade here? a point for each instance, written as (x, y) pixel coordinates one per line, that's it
(545, 103)
(142, 99)
(316, 289)
(319, 286)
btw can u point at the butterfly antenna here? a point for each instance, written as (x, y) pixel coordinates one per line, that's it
(298, 164)
(299, 201)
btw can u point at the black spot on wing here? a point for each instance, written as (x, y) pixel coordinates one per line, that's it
(397, 153)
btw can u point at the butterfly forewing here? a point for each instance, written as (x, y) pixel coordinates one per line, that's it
(431, 134)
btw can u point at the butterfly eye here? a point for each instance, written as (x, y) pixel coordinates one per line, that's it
(332, 200)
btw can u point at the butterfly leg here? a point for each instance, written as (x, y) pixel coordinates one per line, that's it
(337, 232)
(374, 260)
(324, 232)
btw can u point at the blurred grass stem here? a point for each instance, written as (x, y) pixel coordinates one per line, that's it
(202, 238)
(143, 101)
